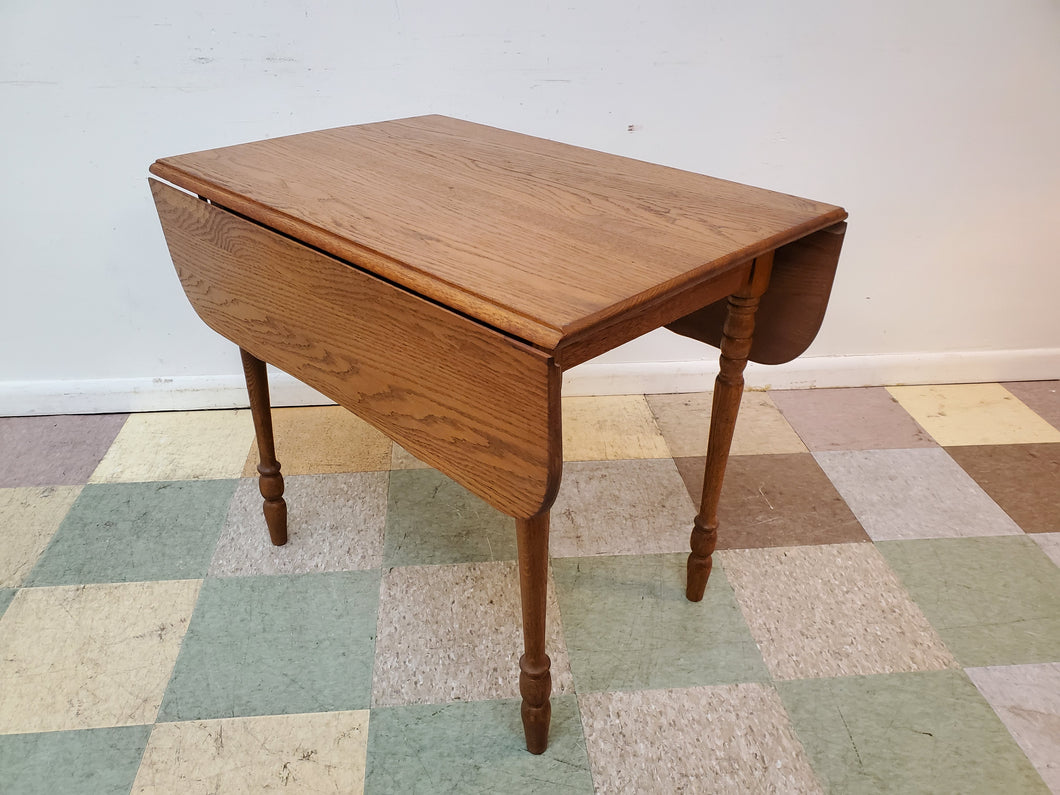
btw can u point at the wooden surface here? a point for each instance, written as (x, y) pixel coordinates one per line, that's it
(475, 404)
(792, 309)
(547, 242)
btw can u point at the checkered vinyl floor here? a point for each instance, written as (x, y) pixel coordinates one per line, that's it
(884, 612)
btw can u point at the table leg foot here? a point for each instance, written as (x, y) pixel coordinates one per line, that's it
(535, 686)
(700, 560)
(535, 679)
(270, 484)
(270, 481)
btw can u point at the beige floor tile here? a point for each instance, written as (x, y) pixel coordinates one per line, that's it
(454, 633)
(401, 458)
(323, 440)
(684, 420)
(831, 610)
(88, 656)
(727, 739)
(963, 414)
(322, 752)
(29, 518)
(178, 445)
(610, 427)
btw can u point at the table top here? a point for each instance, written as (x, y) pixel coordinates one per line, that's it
(539, 239)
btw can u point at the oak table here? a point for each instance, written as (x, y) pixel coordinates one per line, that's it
(436, 277)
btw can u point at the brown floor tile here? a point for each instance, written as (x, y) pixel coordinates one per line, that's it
(850, 419)
(1024, 479)
(54, 451)
(775, 501)
(1042, 397)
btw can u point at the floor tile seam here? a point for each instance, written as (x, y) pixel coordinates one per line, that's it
(135, 482)
(921, 451)
(229, 718)
(104, 583)
(35, 486)
(83, 730)
(567, 461)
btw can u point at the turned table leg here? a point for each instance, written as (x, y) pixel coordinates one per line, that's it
(728, 387)
(535, 681)
(270, 481)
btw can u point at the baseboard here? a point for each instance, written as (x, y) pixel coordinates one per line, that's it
(25, 398)
(819, 372)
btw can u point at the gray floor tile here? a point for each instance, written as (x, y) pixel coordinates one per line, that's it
(729, 738)
(1027, 699)
(913, 494)
(454, 633)
(621, 508)
(833, 610)
(334, 523)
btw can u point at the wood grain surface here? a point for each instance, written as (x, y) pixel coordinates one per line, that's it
(541, 240)
(472, 402)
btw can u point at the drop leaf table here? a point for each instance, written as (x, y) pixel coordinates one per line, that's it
(435, 277)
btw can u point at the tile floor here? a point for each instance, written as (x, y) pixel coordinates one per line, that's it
(884, 613)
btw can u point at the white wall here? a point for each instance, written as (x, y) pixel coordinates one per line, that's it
(935, 124)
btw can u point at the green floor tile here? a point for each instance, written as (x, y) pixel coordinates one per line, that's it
(6, 595)
(473, 747)
(280, 644)
(132, 532)
(97, 761)
(994, 601)
(628, 625)
(430, 519)
(925, 732)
